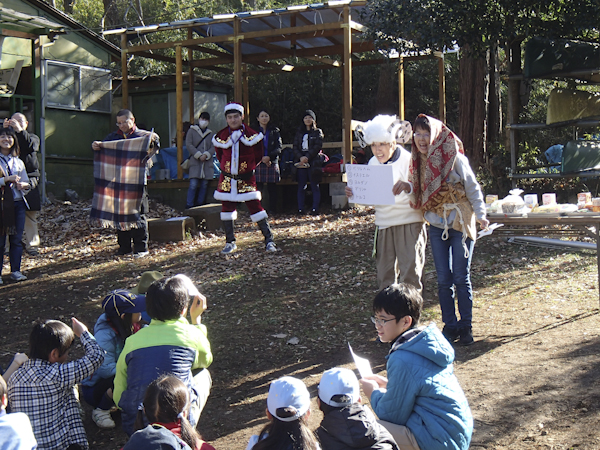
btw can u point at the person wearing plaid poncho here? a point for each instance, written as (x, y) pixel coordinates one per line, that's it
(120, 176)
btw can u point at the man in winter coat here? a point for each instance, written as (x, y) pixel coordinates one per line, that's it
(422, 403)
(239, 149)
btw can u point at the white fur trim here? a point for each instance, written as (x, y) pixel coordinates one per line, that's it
(257, 217)
(383, 128)
(234, 106)
(207, 154)
(235, 197)
(253, 140)
(236, 135)
(222, 144)
(228, 215)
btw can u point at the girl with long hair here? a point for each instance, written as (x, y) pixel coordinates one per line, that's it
(166, 406)
(309, 166)
(14, 185)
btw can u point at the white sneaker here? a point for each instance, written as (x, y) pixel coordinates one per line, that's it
(141, 254)
(17, 276)
(102, 418)
(229, 248)
(271, 247)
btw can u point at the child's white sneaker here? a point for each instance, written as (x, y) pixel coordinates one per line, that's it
(102, 418)
(17, 276)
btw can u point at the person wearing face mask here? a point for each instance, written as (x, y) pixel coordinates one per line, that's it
(201, 149)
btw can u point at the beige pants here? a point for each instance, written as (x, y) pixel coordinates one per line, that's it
(402, 435)
(400, 255)
(202, 384)
(31, 235)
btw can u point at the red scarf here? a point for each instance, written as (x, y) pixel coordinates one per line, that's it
(443, 148)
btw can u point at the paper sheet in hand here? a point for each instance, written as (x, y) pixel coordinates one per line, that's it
(489, 230)
(371, 185)
(362, 364)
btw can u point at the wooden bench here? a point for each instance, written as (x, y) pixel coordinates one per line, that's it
(173, 229)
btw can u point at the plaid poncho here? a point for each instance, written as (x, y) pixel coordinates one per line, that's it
(119, 178)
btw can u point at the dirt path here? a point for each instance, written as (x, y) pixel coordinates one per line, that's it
(532, 378)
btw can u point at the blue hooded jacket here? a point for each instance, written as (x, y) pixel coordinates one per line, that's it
(423, 393)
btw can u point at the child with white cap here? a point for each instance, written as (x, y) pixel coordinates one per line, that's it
(347, 424)
(288, 409)
(400, 234)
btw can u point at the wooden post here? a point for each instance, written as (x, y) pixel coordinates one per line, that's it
(347, 87)
(191, 79)
(245, 96)
(179, 98)
(124, 75)
(237, 61)
(442, 87)
(401, 108)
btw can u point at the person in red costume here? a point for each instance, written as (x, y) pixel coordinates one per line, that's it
(239, 149)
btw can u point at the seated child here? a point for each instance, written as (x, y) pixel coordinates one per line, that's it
(17, 362)
(42, 387)
(15, 428)
(168, 345)
(422, 404)
(165, 408)
(288, 410)
(347, 424)
(121, 318)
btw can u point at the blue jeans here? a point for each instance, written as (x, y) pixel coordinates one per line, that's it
(454, 276)
(199, 185)
(303, 176)
(16, 247)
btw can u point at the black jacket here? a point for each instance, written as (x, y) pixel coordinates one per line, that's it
(29, 145)
(274, 143)
(315, 142)
(354, 427)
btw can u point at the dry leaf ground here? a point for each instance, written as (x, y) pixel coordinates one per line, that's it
(532, 377)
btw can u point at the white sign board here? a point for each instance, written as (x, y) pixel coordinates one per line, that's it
(371, 185)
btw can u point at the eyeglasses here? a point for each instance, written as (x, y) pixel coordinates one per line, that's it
(422, 135)
(380, 322)
(122, 123)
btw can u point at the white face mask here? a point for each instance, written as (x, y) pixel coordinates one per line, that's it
(203, 123)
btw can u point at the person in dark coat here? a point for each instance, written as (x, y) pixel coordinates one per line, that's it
(347, 424)
(268, 171)
(29, 144)
(308, 166)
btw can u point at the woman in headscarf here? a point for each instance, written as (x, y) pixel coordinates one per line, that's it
(444, 187)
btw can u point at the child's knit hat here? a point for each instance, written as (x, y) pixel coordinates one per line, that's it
(341, 384)
(146, 280)
(288, 392)
(121, 301)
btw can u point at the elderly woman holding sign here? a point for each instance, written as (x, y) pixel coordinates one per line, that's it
(400, 235)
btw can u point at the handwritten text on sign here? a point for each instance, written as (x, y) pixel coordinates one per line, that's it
(371, 185)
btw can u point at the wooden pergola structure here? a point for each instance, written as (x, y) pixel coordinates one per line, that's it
(258, 42)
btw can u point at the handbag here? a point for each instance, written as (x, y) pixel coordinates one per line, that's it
(185, 164)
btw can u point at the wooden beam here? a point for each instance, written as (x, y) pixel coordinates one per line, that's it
(245, 96)
(18, 34)
(237, 61)
(308, 22)
(347, 88)
(229, 37)
(366, 62)
(442, 88)
(191, 79)
(124, 73)
(157, 57)
(179, 113)
(401, 110)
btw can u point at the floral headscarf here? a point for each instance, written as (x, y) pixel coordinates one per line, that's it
(443, 148)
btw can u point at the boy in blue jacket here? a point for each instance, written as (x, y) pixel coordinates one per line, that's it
(421, 402)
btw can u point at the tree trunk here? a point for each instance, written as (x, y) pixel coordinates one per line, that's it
(385, 103)
(68, 6)
(473, 108)
(111, 18)
(495, 103)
